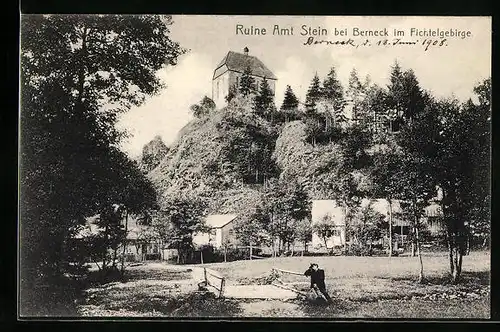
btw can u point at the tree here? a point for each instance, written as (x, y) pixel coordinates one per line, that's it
(463, 170)
(290, 101)
(325, 228)
(384, 174)
(355, 86)
(247, 82)
(203, 108)
(111, 237)
(357, 93)
(78, 72)
(285, 201)
(152, 153)
(250, 228)
(332, 90)
(373, 109)
(182, 216)
(416, 175)
(233, 91)
(480, 142)
(314, 93)
(264, 99)
(405, 97)
(303, 232)
(368, 226)
(290, 105)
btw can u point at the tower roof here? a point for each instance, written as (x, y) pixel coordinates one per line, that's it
(239, 62)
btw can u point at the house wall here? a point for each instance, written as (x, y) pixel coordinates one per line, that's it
(214, 238)
(322, 208)
(201, 239)
(222, 83)
(227, 234)
(220, 89)
(217, 236)
(334, 241)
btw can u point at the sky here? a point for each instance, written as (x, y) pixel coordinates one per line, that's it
(449, 70)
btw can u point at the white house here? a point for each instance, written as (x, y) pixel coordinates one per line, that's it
(321, 209)
(228, 73)
(221, 230)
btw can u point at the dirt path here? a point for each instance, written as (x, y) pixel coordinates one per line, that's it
(258, 292)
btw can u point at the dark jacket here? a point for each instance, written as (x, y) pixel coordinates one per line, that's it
(317, 277)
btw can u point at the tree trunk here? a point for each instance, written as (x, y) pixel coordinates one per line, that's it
(467, 250)
(345, 227)
(390, 227)
(413, 249)
(450, 251)
(421, 272)
(105, 253)
(162, 246)
(402, 239)
(456, 248)
(250, 250)
(178, 254)
(81, 71)
(456, 264)
(115, 254)
(201, 256)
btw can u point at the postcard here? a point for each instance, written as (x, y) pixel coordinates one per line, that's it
(266, 167)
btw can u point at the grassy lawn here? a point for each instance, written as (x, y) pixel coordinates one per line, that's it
(154, 290)
(341, 267)
(374, 287)
(362, 287)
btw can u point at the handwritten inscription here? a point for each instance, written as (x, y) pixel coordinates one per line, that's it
(426, 43)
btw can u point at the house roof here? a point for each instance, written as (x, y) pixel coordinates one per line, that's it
(381, 205)
(219, 220)
(323, 207)
(239, 62)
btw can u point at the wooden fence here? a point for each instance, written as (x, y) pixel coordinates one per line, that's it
(218, 285)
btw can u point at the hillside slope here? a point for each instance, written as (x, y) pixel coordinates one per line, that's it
(223, 157)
